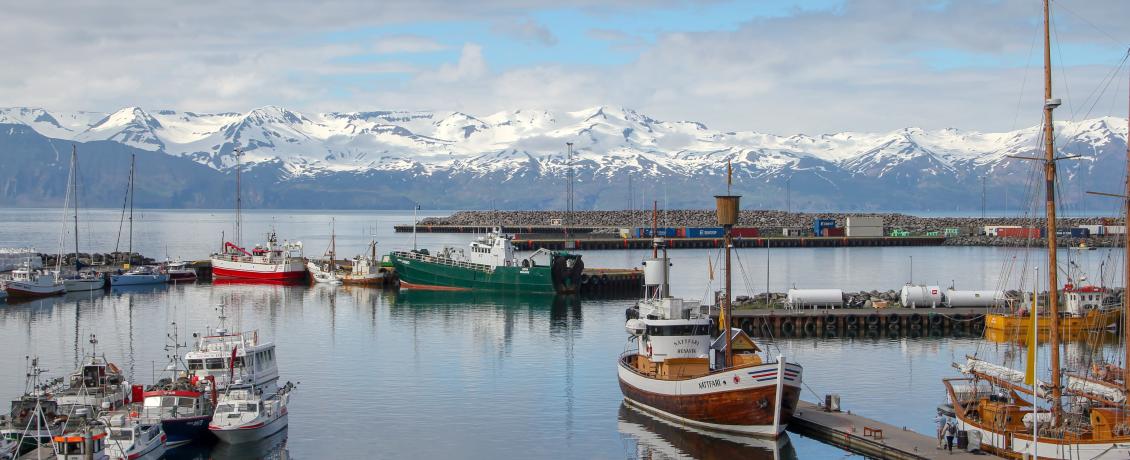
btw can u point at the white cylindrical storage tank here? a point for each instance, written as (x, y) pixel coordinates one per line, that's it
(654, 273)
(799, 298)
(917, 295)
(955, 298)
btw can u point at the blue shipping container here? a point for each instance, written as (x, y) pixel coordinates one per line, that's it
(1080, 233)
(705, 232)
(665, 232)
(818, 225)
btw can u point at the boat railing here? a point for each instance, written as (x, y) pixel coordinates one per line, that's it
(443, 261)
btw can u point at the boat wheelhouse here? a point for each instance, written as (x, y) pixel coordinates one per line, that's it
(97, 385)
(226, 358)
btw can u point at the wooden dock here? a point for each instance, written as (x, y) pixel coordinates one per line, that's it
(612, 243)
(777, 322)
(864, 436)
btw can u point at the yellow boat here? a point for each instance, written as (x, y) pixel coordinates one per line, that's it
(1084, 313)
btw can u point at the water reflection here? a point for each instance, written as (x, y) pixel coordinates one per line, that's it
(273, 447)
(657, 438)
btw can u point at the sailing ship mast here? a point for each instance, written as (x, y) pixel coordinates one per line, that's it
(727, 217)
(132, 158)
(74, 190)
(1126, 270)
(1049, 189)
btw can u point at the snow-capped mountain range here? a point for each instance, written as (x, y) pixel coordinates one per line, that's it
(517, 158)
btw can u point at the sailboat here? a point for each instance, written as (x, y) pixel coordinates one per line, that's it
(79, 280)
(676, 370)
(142, 274)
(326, 272)
(1000, 406)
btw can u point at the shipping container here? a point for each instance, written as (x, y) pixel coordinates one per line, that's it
(1019, 232)
(899, 232)
(818, 225)
(665, 232)
(952, 231)
(680, 232)
(832, 232)
(991, 230)
(745, 232)
(864, 226)
(1096, 230)
(1114, 230)
(705, 232)
(625, 233)
(1080, 233)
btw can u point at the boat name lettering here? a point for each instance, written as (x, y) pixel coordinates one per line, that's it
(686, 342)
(710, 383)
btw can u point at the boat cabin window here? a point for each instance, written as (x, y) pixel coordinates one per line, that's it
(682, 329)
(186, 403)
(214, 363)
(195, 364)
(224, 408)
(248, 407)
(153, 401)
(122, 435)
(70, 448)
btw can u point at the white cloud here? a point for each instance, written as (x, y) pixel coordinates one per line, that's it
(407, 44)
(525, 30)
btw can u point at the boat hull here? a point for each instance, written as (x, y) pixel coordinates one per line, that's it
(181, 431)
(83, 285)
(740, 400)
(185, 277)
(423, 274)
(21, 290)
(250, 434)
(288, 272)
(1019, 325)
(137, 280)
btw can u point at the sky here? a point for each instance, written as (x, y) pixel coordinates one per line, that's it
(773, 66)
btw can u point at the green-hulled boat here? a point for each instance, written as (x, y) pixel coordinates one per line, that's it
(489, 264)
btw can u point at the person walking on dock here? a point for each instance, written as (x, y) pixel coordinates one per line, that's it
(951, 431)
(940, 420)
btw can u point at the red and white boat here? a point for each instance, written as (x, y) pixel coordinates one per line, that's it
(29, 283)
(273, 262)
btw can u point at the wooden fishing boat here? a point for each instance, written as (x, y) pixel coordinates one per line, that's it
(366, 269)
(676, 370)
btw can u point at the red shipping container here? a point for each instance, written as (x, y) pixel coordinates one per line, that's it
(681, 232)
(1018, 232)
(745, 232)
(833, 232)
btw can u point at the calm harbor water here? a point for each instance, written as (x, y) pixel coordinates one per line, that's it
(389, 374)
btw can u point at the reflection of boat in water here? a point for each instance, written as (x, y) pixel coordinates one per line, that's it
(272, 447)
(429, 297)
(657, 438)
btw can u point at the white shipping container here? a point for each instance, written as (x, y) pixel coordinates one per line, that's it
(864, 227)
(1115, 230)
(991, 230)
(1095, 229)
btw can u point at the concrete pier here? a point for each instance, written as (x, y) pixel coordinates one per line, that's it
(868, 437)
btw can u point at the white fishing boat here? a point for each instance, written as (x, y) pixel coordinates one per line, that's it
(133, 437)
(97, 385)
(226, 358)
(31, 283)
(247, 414)
(143, 274)
(326, 271)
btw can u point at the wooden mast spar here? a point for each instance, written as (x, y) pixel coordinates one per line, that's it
(1049, 189)
(727, 217)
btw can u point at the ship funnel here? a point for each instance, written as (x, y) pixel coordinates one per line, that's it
(727, 209)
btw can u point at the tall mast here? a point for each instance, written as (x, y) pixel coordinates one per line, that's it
(238, 200)
(654, 227)
(74, 190)
(727, 217)
(333, 245)
(1049, 190)
(1126, 270)
(132, 158)
(569, 189)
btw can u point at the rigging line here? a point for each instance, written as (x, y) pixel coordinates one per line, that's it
(1062, 66)
(1036, 33)
(1113, 39)
(1104, 84)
